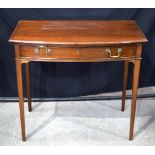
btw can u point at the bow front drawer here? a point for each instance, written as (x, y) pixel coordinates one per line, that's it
(92, 53)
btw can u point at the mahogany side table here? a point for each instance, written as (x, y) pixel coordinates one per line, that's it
(77, 41)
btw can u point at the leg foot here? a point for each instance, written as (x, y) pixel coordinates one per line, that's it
(134, 96)
(21, 98)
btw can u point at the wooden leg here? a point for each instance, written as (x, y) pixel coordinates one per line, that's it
(28, 85)
(125, 77)
(134, 96)
(21, 98)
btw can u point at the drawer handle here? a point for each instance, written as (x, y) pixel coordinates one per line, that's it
(37, 50)
(49, 51)
(119, 50)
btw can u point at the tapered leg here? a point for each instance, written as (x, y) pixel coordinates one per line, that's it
(21, 99)
(28, 85)
(134, 96)
(125, 77)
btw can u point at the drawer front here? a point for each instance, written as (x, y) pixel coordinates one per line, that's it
(46, 52)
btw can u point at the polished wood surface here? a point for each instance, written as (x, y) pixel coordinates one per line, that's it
(78, 32)
(20, 94)
(78, 54)
(77, 41)
(28, 85)
(125, 77)
(136, 71)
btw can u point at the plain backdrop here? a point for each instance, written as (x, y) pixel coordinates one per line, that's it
(74, 79)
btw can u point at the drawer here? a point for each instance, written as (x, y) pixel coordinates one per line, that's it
(46, 52)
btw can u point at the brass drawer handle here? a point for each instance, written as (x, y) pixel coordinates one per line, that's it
(119, 50)
(49, 51)
(37, 50)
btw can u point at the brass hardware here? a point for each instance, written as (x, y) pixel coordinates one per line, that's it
(49, 51)
(37, 51)
(119, 50)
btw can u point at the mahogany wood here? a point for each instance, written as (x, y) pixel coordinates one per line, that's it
(77, 41)
(134, 91)
(77, 32)
(93, 53)
(125, 77)
(28, 85)
(21, 98)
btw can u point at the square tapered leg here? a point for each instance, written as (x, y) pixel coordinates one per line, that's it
(21, 98)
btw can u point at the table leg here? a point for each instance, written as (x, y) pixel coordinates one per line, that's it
(28, 85)
(21, 98)
(125, 77)
(134, 96)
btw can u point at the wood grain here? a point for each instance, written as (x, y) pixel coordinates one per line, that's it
(85, 53)
(28, 85)
(125, 77)
(77, 32)
(77, 41)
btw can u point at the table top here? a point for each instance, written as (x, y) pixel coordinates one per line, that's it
(77, 32)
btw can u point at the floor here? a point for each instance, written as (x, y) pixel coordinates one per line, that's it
(79, 123)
